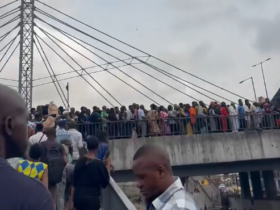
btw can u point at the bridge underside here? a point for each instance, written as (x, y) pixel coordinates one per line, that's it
(209, 169)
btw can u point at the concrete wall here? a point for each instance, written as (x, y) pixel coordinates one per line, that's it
(202, 149)
(242, 204)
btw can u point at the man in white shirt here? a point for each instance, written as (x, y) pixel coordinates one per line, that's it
(39, 136)
(142, 124)
(77, 140)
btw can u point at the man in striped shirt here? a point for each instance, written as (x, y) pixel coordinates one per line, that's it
(162, 191)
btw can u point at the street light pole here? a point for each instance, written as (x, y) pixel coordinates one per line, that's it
(253, 84)
(263, 74)
(254, 89)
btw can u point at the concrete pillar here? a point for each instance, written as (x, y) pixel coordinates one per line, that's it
(256, 184)
(269, 185)
(245, 186)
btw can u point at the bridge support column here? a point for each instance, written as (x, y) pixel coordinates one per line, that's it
(245, 186)
(256, 184)
(269, 184)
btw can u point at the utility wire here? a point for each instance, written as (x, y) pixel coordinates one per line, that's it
(7, 14)
(126, 75)
(9, 58)
(49, 71)
(91, 67)
(7, 34)
(139, 50)
(122, 61)
(13, 80)
(47, 34)
(8, 4)
(11, 42)
(74, 69)
(10, 21)
(72, 76)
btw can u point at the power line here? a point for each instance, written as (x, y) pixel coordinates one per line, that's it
(9, 43)
(78, 63)
(44, 61)
(8, 4)
(91, 67)
(10, 21)
(135, 49)
(126, 75)
(9, 58)
(12, 80)
(112, 68)
(64, 33)
(7, 34)
(7, 14)
(47, 34)
(74, 69)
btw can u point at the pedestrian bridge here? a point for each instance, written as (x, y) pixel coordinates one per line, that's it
(204, 154)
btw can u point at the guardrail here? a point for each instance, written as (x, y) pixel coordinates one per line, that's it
(114, 198)
(181, 126)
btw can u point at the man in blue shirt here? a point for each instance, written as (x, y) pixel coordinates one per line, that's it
(241, 115)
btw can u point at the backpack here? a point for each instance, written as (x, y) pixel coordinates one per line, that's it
(53, 159)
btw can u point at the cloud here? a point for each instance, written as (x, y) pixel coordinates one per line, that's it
(217, 41)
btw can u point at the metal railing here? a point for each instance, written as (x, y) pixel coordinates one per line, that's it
(114, 198)
(181, 126)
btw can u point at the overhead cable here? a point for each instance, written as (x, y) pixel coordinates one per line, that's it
(107, 67)
(7, 14)
(12, 80)
(74, 69)
(91, 67)
(9, 58)
(139, 50)
(68, 36)
(7, 34)
(8, 4)
(67, 78)
(130, 78)
(35, 42)
(10, 21)
(47, 34)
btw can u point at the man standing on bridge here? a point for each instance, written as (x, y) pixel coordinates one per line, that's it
(162, 191)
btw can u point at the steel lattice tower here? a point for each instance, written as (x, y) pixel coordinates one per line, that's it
(26, 51)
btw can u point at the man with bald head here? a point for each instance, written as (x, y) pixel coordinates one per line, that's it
(162, 191)
(17, 192)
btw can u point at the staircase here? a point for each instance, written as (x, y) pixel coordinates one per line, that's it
(210, 190)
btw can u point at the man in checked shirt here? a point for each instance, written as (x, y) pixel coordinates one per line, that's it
(162, 191)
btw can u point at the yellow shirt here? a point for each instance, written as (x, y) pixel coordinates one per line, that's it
(31, 169)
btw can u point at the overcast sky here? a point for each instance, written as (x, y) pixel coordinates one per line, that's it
(216, 40)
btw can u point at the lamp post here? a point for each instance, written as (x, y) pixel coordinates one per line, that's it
(253, 84)
(263, 74)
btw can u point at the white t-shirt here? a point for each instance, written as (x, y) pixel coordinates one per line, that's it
(36, 138)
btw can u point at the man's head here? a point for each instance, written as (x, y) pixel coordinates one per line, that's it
(13, 128)
(72, 125)
(92, 143)
(152, 169)
(62, 124)
(240, 102)
(35, 152)
(39, 127)
(104, 108)
(247, 102)
(50, 133)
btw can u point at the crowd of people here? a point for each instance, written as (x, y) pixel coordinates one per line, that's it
(171, 120)
(46, 161)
